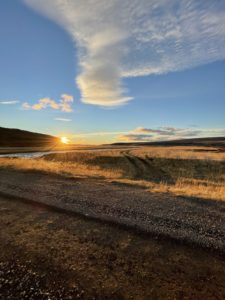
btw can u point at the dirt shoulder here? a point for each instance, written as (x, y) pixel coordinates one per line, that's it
(190, 220)
(46, 254)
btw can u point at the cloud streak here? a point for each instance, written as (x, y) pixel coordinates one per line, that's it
(64, 104)
(168, 131)
(117, 39)
(101, 133)
(155, 134)
(142, 134)
(9, 102)
(63, 119)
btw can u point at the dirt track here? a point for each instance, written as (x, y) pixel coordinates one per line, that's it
(194, 221)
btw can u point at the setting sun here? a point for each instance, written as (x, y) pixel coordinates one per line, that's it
(65, 140)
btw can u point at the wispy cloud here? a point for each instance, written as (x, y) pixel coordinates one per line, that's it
(63, 119)
(99, 133)
(117, 39)
(64, 104)
(168, 133)
(154, 134)
(9, 102)
(131, 137)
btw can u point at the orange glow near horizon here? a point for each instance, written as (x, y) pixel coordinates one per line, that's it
(65, 140)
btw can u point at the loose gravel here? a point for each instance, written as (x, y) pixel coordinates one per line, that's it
(190, 220)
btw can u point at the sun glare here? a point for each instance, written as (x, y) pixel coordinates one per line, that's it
(65, 140)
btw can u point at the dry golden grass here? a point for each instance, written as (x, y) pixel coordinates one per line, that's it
(58, 168)
(188, 171)
(182, 187)
(182, 152)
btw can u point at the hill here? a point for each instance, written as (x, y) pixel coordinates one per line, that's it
(210, 142)
(10, 137)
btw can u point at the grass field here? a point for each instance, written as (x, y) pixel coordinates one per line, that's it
(189, 171)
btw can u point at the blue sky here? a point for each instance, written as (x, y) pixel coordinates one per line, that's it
(71, 68)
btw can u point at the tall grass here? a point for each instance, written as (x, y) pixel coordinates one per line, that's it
(182, 152)
(184, 171)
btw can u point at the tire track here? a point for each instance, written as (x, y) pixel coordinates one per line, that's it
(138, 165)
(137, 172)
(144, 168)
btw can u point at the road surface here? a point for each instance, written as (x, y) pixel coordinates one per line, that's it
(190, 220)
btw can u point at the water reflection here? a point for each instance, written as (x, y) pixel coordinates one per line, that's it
(32, 154)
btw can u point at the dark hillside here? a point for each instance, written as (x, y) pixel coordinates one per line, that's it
(210, 142)
(21, 138)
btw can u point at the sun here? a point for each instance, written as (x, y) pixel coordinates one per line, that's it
(65, 140)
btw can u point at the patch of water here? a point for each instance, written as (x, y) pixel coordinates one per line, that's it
(32, 154)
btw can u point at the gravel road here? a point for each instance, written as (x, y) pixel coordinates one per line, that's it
(191, 220)
(46, 254)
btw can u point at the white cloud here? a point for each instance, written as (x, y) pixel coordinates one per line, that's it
(63, 119)
(64, 104)
(117, 39)
(67, 98)
(9, 102)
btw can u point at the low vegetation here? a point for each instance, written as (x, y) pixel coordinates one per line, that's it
(188, 171)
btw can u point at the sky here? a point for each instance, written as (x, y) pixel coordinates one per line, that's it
(102, 71)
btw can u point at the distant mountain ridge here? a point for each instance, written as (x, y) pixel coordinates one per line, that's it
(209, 141)
(11, 137)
